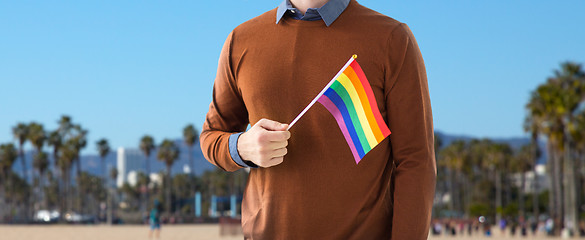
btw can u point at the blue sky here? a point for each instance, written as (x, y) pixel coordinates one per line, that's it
(123, 69)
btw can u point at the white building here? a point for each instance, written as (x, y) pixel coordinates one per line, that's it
(155, 178)
(539, 180)
(128, 160)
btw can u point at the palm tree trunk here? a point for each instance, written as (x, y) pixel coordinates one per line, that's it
(551, 162)
(454, 203)
(79, 201)
(25, 176)
(2, 194)
(497, 178)
(535, 202)
(557, 188)
(147, 195)
(192, 173)
(34, 190)
(62, 195)
(168, 190)
(561, 191)
(191, 162)
(41, 195)
(23, 161)
(506, 183)
(69, 189)
(570, 216)
(12, 202)
(581, 179)
(468, 196)
(110, 205)
(45, 198)
(521, 200)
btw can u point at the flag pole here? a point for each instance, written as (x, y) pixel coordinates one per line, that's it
(351, 59)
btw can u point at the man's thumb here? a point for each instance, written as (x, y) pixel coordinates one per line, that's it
(271, 125)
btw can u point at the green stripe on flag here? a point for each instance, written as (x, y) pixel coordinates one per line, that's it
(342, 92)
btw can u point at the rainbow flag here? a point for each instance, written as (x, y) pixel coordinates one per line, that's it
(350, 99)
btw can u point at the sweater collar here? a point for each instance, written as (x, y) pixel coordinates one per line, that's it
(329, 12)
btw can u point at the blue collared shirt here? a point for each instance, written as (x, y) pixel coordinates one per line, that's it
(328, 13)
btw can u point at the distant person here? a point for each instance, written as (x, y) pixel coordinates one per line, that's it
(549, 226)
(305, 183)
(437, 227)
(154, 220)
(503, 225)
(533, 226)
(487, 228)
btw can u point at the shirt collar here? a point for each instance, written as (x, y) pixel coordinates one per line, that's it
(329, 12)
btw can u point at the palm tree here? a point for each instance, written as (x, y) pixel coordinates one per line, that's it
(543, 110)
(55, 140)
(65, 125)
(453, 157)
(114, 174)
(20, 132)
(146, 146)
(521, 163)
(578, 135)
(8, 155)
(571, 78)
(65, 163)
(37, 137)
(190, 136)
(111, 206)
(41, 163)
(168, 153)
(103, 150)
(497, 156)
(78, 141)
(552, 108)
(532, 127)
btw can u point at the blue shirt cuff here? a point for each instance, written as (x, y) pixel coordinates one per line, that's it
(233, 146)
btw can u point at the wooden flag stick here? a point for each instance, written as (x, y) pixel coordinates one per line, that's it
(322, 92)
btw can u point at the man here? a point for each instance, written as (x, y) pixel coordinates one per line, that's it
(154, 220)
(304, 183)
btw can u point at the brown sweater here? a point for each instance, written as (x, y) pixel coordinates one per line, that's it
(269, 70)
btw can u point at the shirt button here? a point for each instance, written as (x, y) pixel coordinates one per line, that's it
(293, 11)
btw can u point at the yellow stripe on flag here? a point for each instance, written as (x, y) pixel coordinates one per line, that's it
(344, 80)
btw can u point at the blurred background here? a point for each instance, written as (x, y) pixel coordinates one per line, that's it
(101, 105)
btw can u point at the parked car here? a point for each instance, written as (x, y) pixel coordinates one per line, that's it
(46, 216)
(73, 217)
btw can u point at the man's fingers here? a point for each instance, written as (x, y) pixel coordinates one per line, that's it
(271, 125)
(279, 152)
(265, 144)
(277, 145)
(274, 161)
(275, 136)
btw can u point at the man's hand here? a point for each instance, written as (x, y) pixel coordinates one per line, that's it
(265, 143)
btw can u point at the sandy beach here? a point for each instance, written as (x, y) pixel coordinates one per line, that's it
(137, 232)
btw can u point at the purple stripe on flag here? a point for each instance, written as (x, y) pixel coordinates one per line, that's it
(327, 103)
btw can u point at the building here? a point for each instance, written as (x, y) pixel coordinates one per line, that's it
(132, 159)
(128, 160)
(538, 181)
